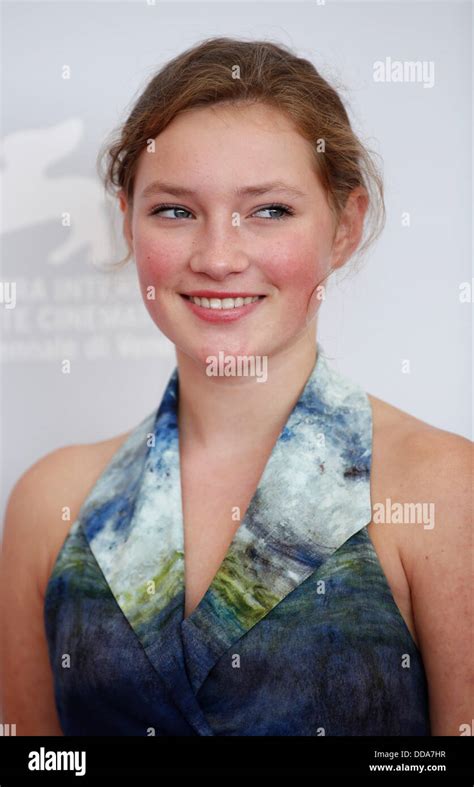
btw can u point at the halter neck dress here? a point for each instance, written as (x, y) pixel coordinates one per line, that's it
(298, 633)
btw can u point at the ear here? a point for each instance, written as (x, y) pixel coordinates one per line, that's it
(350, 227)
(126, 210)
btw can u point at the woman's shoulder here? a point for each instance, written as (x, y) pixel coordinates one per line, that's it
(70, 469)
(414, 444)
(57, 482)
(423, 483)
(424, 469)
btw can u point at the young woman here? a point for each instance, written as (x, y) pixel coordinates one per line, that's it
(225, 572)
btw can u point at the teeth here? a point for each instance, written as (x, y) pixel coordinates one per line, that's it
(223, 303)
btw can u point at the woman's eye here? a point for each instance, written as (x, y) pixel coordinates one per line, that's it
(159, 210)
(282, 208)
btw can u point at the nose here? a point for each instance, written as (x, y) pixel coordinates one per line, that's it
(218, 250)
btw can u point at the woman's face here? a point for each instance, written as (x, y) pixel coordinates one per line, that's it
(220, 238)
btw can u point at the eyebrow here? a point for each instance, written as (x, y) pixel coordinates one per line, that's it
(180, 191)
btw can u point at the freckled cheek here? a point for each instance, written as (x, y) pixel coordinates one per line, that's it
(157, 261)
(296, 271)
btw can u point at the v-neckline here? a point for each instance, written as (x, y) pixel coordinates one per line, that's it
(133, 521)
(237, 537)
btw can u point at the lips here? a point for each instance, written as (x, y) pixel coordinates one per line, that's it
(223, 303)
(220, 295)
(213, 309)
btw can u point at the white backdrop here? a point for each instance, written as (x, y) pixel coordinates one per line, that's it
(405, 303)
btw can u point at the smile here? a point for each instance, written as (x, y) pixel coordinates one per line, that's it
(222, 310)
(223, 303)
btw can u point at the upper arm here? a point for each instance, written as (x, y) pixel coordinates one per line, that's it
(34, 531)
(439, 569)
(26, 676)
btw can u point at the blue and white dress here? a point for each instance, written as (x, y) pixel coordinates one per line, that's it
(297, 635)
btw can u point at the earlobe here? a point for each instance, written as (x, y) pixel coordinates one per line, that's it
(341, 243)
(349, 231)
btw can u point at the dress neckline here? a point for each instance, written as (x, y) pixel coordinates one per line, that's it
(313, 494)
(241, 543)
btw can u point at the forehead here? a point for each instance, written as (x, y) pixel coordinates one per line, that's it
(229, 143)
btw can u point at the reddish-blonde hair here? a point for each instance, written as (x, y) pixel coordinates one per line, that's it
(267, 73)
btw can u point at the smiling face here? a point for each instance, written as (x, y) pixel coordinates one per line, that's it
(218, 237)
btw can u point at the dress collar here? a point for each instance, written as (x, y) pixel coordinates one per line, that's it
(313, 495)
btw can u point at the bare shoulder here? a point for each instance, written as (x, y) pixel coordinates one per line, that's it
(418, 443)
(417, 458)
(421, 490)
(425, 476)
(414, 461)
(63, 477)
(34, 530)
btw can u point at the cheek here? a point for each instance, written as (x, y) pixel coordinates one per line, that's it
(156, 261)
(297, 268)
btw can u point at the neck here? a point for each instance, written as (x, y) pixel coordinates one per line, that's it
(218, 412)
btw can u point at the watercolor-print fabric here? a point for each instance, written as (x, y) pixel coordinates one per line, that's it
(298, 633)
